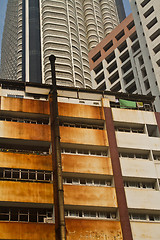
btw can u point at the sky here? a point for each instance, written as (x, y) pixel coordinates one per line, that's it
(127, 7)
(3, 5)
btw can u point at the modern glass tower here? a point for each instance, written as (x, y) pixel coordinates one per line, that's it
(68, 29)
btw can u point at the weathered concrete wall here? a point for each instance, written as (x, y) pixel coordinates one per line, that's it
(24, 131)
(93, 230)
(83, 136)
(132, 116)
(24, 105)
(26, 192)
(138, 168)
(80, 111)
(25, 161)
(86, 164)
(90, 196)
(26, 231)
(145, 231)
(137, 141)
(143, 198)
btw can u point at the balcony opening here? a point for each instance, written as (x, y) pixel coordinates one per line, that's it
(145, 2)
(157, 49)
(155, 35)
(124, 56)
(112, 67)
(126, 67)
(147, 85)
(129, 77)
(122, 46)
(144, 72)
(116, 88)
(133, 37)
(110, 57)
(99, 78)
(131, 88)
(120, 35)
(135, 47)
(152, 23)
(130, 25)
(114, 77)
(158, 63)
(98, 68)
(149, 12)
(102, 87)
(96, 57)
(153, 130)
(141, 61)
(108, 46)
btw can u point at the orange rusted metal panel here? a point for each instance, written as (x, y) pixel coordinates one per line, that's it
(81, 111)
(93, 229)
(25, 161)
(27, 231)
(25, 131)
(26, 192)
(86, 164)
(76, 229)
(24, 105)
(83, 136)
(90, 196)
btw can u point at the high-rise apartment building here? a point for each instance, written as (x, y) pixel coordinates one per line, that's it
(110, 156)
(67, 29)
(127, 59)
(147, 22)
(11, 50)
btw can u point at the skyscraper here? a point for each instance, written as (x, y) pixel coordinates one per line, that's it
(67, 29)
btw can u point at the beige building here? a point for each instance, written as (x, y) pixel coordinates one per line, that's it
(110, 151)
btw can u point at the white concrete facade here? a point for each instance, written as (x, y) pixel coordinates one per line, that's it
(139, 158)
(147, 20)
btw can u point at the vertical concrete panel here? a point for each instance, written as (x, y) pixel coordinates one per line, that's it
(121, 198)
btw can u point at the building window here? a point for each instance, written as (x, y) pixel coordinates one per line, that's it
(155, 35)
(108, 46)
(130, 25)
(152, 23)
(120, 35)
(87, 181)
(90, 214)
(149, 12)
(145, 2)
(96, 57)
(25, 175)
(26, 215)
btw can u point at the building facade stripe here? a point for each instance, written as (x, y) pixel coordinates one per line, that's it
(120, 192)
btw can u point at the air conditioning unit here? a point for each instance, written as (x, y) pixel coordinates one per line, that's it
(49, 220)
